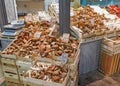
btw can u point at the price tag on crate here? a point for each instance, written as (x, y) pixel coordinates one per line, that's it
(66, 37)
(64, 58)
(37, 34)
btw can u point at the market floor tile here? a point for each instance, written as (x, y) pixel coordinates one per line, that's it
(95, 78)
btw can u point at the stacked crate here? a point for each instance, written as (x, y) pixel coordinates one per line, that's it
(23, 65)
(70, 80)
(74, 73)
(10, 71)
(110, 56)
(13, 68)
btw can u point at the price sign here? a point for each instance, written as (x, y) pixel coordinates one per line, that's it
(66, 37)
(64, 58)
(37, 34)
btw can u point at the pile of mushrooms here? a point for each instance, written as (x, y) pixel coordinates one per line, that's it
(47, 72)
(90, 22)
(45, 46)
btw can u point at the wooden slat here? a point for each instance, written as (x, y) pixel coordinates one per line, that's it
(36, 82)
(118, 67)
(74, 80)
(8, 61)
(109, 63)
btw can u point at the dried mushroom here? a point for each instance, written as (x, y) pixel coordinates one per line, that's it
(46, 46)
(89, 21)
(48, 72)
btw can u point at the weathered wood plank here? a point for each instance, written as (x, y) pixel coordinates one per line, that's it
(10, 6)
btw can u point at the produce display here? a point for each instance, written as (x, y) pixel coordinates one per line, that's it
(113, 9)
(40, 40)
(44, 47)
(92, 21)
(37, 41)
(117, 38)
(95, 21)
(113, 23)
(47, 72)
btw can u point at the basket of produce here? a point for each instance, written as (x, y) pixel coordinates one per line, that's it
(111, 45)
(46, 74)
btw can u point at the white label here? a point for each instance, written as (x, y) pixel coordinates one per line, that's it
(37, 34)
(66, 37)
(64, 58)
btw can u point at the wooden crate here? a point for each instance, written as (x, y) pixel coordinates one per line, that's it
(11, 75)
(13, 82)
(74, 66)
(9, 65)
(73, 73)
(74, 80)
(38, 82)
(8, 61)
(9, 68)
(72, 62)
(118, 67)
(109, 64)
(111, 44)
(23, 66)
(1, 74)
(10, 71)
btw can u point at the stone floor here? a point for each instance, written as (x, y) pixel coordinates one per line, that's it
(96, 78)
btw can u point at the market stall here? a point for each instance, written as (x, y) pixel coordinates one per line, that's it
(94, 23)
(55, 49)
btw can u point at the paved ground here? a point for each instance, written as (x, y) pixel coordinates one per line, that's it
(95, 78)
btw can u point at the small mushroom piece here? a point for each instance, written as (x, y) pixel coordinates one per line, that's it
(56, 78)
(63, 75)
(41, 75)
(55, 46)
(34, 74)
